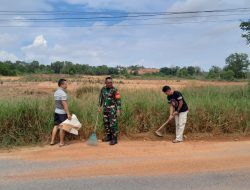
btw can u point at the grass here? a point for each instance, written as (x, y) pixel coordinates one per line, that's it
(213, 110)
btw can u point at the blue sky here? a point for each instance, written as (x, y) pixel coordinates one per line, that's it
(114, 43)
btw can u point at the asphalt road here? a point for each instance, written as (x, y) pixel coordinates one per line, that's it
(129, 165)
(204, 181)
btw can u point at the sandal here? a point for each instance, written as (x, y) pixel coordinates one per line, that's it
(62, 145)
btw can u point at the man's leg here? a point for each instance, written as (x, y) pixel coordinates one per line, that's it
(114, 127)
(106, 123)
(176, 126)
(54, 132)
(62, 135)
(182, 123)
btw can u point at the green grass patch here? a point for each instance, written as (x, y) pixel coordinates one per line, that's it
(215, 110)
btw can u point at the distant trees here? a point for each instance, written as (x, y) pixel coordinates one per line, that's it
(134, 69)
(237, 66)
(238, 63)
(227, 75)
(181, 72)
(170, 71)
(8, 68)
(214, 72)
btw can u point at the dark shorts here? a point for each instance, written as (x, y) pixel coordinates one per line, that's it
(59, 118)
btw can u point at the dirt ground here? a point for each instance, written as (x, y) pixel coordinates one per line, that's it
(128, 158)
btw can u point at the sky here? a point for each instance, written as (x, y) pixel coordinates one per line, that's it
(151, 43)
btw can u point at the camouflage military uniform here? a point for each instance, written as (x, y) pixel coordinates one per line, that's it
(111, 101)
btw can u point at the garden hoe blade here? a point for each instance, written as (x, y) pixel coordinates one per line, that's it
(158, 133)
(92, 141)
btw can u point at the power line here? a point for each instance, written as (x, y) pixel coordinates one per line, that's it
(122, 25)
(136, 16)
(120, 12)
(117, 18)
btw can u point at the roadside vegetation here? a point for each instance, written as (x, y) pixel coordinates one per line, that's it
(213, 110)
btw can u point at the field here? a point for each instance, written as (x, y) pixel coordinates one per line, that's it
(26, 107)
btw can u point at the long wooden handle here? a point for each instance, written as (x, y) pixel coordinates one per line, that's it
(96, 122)
(165, 123)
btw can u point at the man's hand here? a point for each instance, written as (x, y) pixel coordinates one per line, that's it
(175, 113)
(118, 113)
(69, 116)
(99, 109)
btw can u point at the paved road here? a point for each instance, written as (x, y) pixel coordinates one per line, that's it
(130, 165)
(204, 181)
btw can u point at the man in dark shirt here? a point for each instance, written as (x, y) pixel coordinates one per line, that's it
(178, 109)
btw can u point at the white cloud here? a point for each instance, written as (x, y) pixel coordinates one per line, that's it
(202, 44)
(6, 56)
(192, 5)
(27, 5)
(39, 42)
(76, 52)
(125, 5)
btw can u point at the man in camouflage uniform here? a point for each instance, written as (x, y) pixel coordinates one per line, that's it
(110, 100)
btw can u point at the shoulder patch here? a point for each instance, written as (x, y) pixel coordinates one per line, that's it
(117, 95)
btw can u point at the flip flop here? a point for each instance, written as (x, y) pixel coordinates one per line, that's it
(62, 145)
(52, 144)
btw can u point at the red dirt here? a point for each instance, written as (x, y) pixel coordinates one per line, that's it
(135, 158)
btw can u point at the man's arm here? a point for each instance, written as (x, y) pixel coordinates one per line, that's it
(118, 102)
(171, 110)
(66, 108)
(180, 105)
(100, 104)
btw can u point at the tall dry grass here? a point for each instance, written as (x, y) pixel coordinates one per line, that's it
(215, 110)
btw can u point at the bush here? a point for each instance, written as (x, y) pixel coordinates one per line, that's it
(227, 75)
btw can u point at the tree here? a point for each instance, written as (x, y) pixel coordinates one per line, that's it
(183, 72)
(245, 26)
(166, 71)
(6, 70)
(33, 66)
(191, 70)
(113, 71)
(170, 71)
(238, 63)
(214, 72)
(68, 68)
(57, 66)
(102, 70)
(122, 70)
(227, 75)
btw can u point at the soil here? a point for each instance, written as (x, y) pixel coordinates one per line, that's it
(132, 158)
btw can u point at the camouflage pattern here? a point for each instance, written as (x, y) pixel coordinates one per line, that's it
(111, 101)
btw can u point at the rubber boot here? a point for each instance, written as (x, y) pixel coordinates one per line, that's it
(114, 140)
(107, 138)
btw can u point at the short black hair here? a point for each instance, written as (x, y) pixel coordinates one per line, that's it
(108, 78)
(166, 88)
(61, 81)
